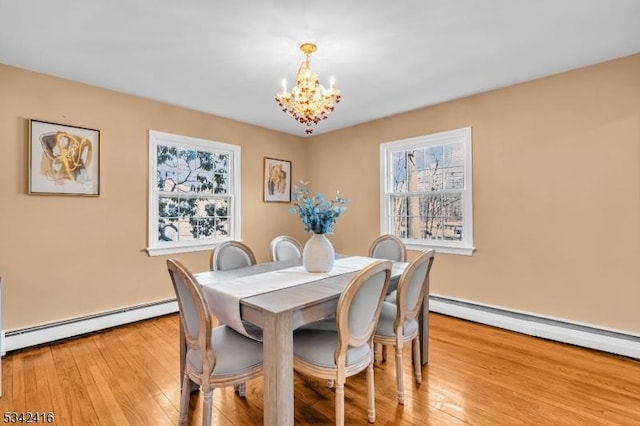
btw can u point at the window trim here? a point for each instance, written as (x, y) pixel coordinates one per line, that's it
(464, 247)
(156, 138)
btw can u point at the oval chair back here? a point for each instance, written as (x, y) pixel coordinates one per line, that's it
(231, 255)
(413, 286)
(388, 247)
(284, 247)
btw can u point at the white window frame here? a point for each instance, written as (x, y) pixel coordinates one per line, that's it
(155, 247)
(463, 247)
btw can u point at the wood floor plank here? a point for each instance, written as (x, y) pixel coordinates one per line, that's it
(477, 375)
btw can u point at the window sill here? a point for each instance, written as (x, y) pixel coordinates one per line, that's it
(159, 251)
(464, 251)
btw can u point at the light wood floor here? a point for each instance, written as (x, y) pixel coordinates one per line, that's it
(477, 375)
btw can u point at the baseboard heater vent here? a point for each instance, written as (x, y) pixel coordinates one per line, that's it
(561, 331)
(32, 336)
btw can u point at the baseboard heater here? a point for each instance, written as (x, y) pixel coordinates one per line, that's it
(562, 331)
(32, 336)
(612, 341)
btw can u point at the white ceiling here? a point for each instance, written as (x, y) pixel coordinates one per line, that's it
(228, 57)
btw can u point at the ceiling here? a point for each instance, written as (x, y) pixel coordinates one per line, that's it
(228, 58)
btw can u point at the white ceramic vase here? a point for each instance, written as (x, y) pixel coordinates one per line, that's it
(318, 254)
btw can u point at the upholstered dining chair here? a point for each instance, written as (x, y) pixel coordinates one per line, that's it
(231, 255)
(347, 349)
(284, 247)
(398, 321)
(216, 356)
(390, 247)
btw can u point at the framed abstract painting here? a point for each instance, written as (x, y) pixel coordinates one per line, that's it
(63, 159)
(277, 180)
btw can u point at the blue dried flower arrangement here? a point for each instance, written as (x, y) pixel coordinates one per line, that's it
(318, 214)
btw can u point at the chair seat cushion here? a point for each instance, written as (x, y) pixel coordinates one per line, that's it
(388, 317)
(234, 353)
(318, 347)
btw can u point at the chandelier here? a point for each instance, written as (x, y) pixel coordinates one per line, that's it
(308, 102)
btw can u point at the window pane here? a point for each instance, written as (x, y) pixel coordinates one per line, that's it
(221, 208)
(187, 207)
(186, 231)
(206, 227)
(166, 167)
(168, 229)
(168, 207)
(452, 216)
(220, 184)
(399, 171)
(430, 180)
(205, 166)
(452, 229)
(221, 163)
(398, 205)
(414, 218)
(452, 206)
(454, 177)
(222, 227)
(187, 175)
(433, 157)
(205, 207)
(431, 209)
(454, 154)
(399, 226)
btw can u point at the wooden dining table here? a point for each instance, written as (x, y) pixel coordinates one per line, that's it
(280, 312)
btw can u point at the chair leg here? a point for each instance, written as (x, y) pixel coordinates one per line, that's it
(339, 402)
(185, 396)
(371, 395)
(417, 365)
(207, 400)
(399, 375)
(241, 389)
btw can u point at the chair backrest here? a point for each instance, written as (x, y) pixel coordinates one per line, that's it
(231, 255)
(284, 247)
(194, 312)
(359, 306)
(388, 247)
(412, 286)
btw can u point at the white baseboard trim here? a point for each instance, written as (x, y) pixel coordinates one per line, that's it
(576, 334)
(18, 339)
(566, 332)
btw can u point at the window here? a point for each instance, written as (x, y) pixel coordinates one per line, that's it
(425, 187)
(194, 193)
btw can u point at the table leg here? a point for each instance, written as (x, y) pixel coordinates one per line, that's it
(278, 369)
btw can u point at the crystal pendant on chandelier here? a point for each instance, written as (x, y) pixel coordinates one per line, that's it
(308, 102)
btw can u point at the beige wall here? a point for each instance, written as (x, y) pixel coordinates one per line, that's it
(63, 257)
(556, 196)
(556, 193)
